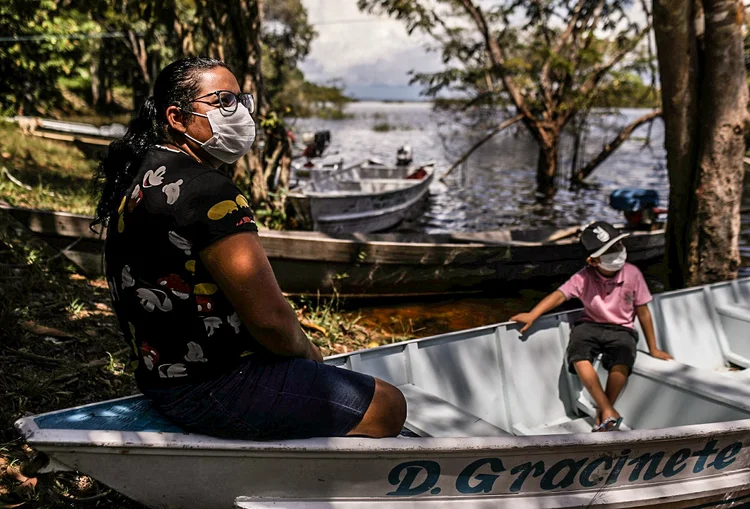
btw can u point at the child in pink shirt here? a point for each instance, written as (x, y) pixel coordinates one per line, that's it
(613, 293)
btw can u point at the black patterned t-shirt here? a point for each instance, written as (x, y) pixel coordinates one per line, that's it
(174, 316)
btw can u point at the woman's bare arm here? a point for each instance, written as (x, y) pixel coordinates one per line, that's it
(239, 266)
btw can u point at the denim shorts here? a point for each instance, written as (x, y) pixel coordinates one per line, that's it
(270, 398)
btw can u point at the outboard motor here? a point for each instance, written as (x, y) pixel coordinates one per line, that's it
(404, 156)
(316, 143)
(640, 206)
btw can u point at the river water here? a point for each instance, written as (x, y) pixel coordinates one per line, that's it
(495, 188)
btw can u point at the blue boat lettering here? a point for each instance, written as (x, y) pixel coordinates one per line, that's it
(564, 471)
(524, 470)
(485, 481)
(411, 470)
(420, 477)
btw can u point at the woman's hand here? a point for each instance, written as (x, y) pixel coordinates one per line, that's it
(315, 353)
(526, 318)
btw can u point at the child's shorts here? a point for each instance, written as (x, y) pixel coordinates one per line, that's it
(615, 342)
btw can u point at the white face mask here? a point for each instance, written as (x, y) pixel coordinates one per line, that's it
(613, 261)
(233, 134)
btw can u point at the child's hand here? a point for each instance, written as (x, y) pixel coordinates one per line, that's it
(660, 354)
(525, 318)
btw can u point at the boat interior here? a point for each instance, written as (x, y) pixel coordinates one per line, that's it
(493, 381)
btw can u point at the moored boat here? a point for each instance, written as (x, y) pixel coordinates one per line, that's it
(362, 198)
(500, 424)
(384, 264)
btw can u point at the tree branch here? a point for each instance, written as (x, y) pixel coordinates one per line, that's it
(603, 69)
(505, 124)
(613, 145)
(544, 79)
(497, 58)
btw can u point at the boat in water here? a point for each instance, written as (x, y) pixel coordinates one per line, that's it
(380, 264)
(498, 423)
(363, 198)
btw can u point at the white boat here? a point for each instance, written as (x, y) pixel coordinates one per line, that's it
(501, 424)
(363, 198)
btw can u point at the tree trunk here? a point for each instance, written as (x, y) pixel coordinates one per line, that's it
(723, 111)
(547, 164)
(704, 100)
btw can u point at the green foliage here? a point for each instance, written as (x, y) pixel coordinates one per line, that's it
(30, 69)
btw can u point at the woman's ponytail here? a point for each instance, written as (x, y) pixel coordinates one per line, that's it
(122, 160)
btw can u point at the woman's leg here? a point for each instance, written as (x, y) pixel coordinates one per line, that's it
(386, 414)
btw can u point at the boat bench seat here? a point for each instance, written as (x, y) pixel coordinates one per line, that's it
(431, 416)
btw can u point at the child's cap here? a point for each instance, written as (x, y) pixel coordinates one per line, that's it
(600, 236)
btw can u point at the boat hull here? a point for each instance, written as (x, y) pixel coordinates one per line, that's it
(501, 424)
(376, 265)
(680, 466)
(377, 209)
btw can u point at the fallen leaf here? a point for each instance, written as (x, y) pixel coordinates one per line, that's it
(339, 348)
(314, 326)
(101, 306)
(373, 344)
(42, 330)
(77, 277)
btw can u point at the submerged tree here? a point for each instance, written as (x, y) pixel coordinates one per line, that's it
(545, 59)
(705, 96)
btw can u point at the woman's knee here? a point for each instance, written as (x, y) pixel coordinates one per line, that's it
(386, 414)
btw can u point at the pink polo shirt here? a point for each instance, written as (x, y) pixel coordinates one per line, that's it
(608, 300)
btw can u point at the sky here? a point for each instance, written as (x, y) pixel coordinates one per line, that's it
(371, 55)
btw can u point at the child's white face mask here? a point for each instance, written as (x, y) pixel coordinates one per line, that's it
(613, 262)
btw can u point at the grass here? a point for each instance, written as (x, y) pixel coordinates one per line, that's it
(384, 127)
(60, 346)
(43, 174)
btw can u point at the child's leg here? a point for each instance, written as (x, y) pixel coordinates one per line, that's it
(590, 381)
(618, 375)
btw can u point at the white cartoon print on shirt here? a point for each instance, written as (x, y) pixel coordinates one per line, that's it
(172, 370)
(127, 279)
(235, 322)
(154, 299)
(154, 178)
(180, 242)
(172, 191)
(176, 285)
(149, 355)
(212, 323)
(195, 353)
(135, 198)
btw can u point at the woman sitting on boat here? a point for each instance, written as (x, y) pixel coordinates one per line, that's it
(217, 347)
(613, 293)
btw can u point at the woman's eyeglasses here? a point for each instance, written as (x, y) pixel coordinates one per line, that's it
(228, 101)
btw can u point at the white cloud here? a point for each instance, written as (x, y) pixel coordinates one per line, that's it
(363, 50)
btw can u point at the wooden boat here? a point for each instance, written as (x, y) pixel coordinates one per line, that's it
(362, 198)
(92, 140)
(385, 264)
(500, 424)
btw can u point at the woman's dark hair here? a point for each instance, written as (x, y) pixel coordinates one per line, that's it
(177, 84)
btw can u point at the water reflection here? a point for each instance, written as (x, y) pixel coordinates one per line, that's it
(496, 186)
